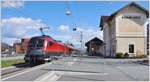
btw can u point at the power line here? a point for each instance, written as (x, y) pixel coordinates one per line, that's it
(78, 13)
(24, 12)
(68, 7)
(41, 28)
(71, 16)
(32, 15)
(17, 9)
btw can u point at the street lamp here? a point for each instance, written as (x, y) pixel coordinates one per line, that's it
(68, 12)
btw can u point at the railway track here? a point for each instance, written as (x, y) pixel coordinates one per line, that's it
(18, 68)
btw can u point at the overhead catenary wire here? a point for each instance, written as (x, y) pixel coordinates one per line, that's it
(31, 14)
(24, 12)
(79, 22)
(71, 16)
(72, 20)
(41, 28)
(19, 11)
(77, 11)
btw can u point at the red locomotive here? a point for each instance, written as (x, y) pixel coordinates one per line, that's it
(44, 48)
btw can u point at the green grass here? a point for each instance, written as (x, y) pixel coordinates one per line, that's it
(11, 55)
(8, 63)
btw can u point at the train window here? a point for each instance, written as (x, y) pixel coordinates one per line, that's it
(50, 43)
(36, 42)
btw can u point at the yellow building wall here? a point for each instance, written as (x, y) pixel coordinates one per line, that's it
(128, 25)
(123, 45)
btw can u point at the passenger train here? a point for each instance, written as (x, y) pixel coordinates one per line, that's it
(44, 48)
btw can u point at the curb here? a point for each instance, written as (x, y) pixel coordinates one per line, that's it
(13, 66)
(11, 69)
(33, 68)
(7, 68)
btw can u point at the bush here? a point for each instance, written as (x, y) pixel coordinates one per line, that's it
(119, 55)
(142, 56)
(126, 55)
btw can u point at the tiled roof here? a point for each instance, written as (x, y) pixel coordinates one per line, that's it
(94, 39)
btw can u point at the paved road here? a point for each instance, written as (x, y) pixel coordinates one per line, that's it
(85, 69)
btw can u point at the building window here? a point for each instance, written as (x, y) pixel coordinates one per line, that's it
(131, 48)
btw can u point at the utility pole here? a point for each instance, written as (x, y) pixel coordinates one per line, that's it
(81, 35)
(68, 13)
(81, 43)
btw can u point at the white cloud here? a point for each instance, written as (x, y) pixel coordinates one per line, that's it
(15, 27)
(19, 27)
(11, 4)
(9, 41)
(63, 28)
(74, 36)
(111, 2)
(80, 29)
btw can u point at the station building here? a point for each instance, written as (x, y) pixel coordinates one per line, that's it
(94, 47)
(124, 31)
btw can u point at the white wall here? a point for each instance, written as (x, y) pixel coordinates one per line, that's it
(106, 38)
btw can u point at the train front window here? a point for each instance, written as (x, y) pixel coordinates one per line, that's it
(50, 43)
(36, 42)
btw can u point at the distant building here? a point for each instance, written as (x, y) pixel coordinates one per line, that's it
(94, 47)
(124, 31)
(22, 46)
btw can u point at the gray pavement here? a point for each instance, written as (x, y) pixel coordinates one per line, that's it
(95, 67)
(87, 69)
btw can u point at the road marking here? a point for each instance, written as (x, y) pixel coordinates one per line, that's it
(78, 73)
(55, 77)
(45, 76)
(27, 71)
(69, 63)
(50, 76)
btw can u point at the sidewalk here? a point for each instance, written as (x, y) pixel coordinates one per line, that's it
(89, 69)
(113, 75)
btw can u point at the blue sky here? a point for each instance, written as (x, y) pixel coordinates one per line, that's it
(84, 15)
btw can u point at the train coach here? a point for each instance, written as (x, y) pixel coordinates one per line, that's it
(72, 50)
(44, 48)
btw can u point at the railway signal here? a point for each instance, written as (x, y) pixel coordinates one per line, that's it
(74, 29)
